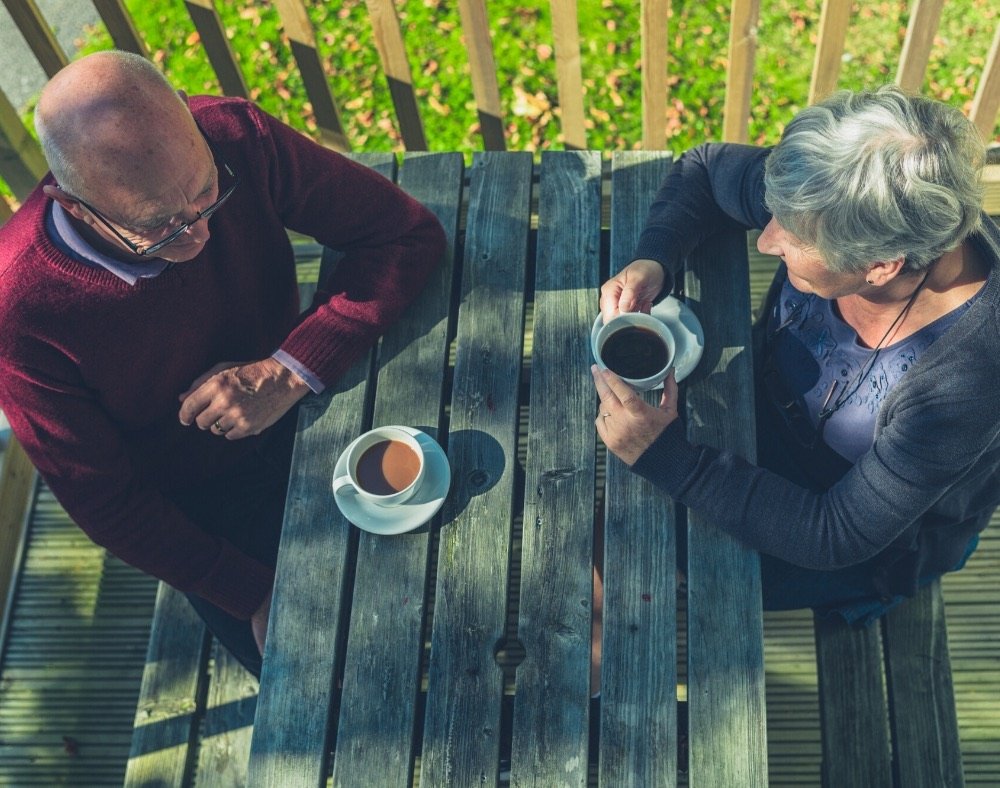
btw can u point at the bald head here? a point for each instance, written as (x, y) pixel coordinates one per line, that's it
(110, 122)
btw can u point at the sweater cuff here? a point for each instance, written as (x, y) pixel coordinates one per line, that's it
(670, 460)
(236, 583)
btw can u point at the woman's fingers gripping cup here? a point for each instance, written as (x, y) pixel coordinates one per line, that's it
(633, 289)
(626, 423)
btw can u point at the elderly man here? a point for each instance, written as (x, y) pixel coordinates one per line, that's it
(152, 350)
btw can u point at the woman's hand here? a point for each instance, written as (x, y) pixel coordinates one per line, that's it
(632, 289)
(626, 423)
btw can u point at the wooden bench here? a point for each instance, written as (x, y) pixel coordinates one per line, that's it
(887, 706)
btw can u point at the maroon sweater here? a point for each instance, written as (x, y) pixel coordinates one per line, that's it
(91, 367)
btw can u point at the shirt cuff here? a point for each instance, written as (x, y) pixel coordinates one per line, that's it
(289, 363)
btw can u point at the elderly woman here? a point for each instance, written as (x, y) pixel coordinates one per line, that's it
(877, 353)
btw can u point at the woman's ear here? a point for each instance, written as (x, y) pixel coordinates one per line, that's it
(883, 272)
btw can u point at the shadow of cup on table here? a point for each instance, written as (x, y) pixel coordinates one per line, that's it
(477, 463)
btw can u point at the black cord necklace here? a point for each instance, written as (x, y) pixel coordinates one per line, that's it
(827, 410)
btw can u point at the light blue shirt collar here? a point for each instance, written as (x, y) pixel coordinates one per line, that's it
(129, 272)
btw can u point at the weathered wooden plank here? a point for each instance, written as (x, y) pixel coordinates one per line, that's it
(924, 18)
(653, 31)
(550, 730)
(725, 630)
(392, 51)
(743, 20)
(166, 716)
(833, 22)
(21, 161)
(465, 685)
(119, 23)
(227, 725)
(213, 37)
(569, 76)
(853, 712)
(479, 44)
(37, 34)
(382, 667)
(302, 37)
(638, 744)
(308, 614)
(921, 697)
(986, 102)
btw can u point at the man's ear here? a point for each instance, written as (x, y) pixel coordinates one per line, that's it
(69, 204)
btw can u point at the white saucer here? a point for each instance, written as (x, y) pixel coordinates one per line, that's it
(688, 335)
(389, 520)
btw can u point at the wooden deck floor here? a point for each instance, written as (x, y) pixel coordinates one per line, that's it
(71, 669)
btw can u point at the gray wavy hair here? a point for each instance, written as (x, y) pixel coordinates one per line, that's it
(877, 175)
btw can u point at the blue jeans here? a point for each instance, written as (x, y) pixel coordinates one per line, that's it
(849, 593)
(245, 505)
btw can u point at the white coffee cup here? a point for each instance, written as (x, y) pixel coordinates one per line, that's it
(385, 466)
(637, 347)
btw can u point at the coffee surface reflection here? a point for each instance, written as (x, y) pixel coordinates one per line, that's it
(387, 467)
(634, 352)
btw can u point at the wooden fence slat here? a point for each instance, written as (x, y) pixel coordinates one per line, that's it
(464, 682)
(569, 76)
(386, 636)
(37, 34)
(986, 103)
(833, 21)
(118, 21)
(653, 31)
(638, 745)
(550, 730)
(852, 703)
(220, 54)
(22, 163)
(479, 43)
(743, 21)
(396, 66)
(166, 716)
(924, 18)
(725, 657)
(302, 36)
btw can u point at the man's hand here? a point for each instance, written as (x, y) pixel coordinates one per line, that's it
(239, 400)
(258, 622)
(626, 423)
(633, 289)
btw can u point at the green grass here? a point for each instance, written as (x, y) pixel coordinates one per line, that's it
(523, 49)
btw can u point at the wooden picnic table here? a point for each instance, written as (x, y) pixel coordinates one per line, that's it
(434, 654)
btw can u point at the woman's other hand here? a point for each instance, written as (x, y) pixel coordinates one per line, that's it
(627, 424)
(632, 289)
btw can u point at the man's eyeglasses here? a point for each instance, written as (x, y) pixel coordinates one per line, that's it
(143, 251)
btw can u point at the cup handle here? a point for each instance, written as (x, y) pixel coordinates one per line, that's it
(341, 482)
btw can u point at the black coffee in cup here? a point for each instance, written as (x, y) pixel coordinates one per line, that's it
(387, 467)
(634, 352)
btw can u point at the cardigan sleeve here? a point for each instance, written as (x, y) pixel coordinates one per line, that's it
(711, 188)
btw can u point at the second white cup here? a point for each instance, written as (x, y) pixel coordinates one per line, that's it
(385, 466)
